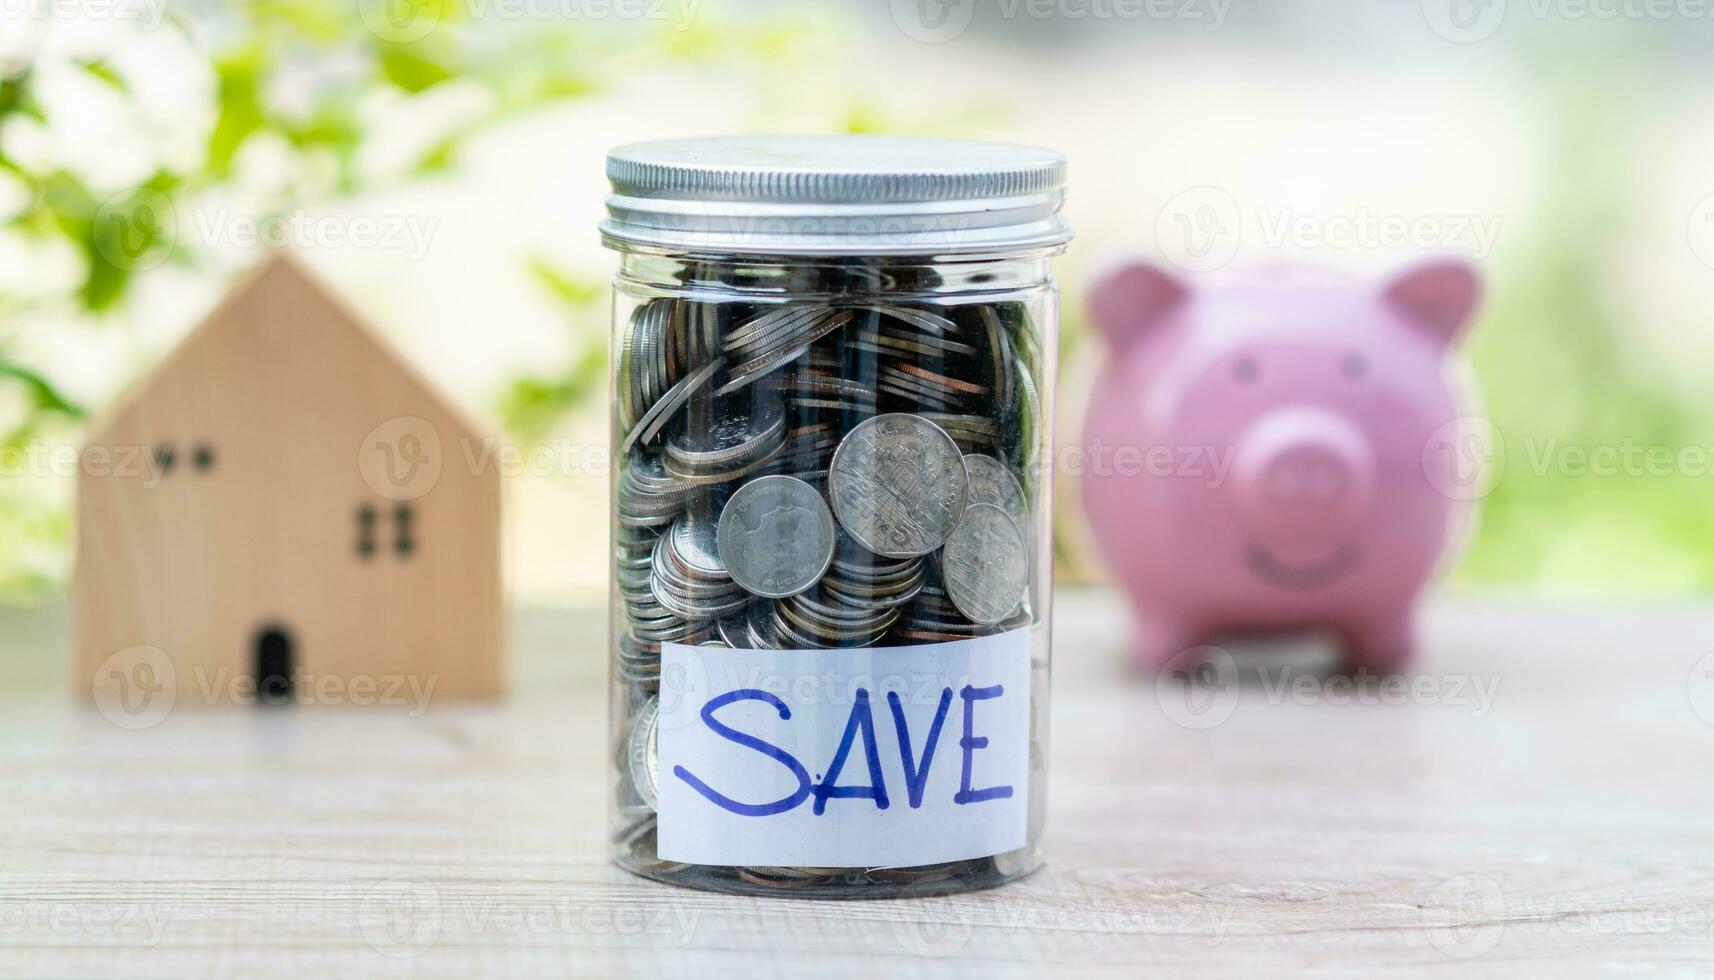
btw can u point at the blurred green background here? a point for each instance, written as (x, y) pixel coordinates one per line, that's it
(145, 143)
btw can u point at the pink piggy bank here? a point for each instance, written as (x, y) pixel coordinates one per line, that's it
(1261, 454)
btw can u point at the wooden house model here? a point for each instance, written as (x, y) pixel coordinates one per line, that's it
(291, 515)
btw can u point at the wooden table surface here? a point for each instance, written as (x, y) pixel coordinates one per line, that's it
(1539, 802)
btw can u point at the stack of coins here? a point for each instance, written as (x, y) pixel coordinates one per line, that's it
(817, 476)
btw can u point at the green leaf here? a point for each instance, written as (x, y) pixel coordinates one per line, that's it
(43, 395)
(568, 289)
(240, 108)
(126, 235)
(440, 157)
(104, 71)
(105, 284)
(531, 407)
(410, 68)
(16, 96)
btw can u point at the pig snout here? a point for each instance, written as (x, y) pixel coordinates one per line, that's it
(1303, 478)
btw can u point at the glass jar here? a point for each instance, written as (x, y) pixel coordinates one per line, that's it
(833, 366)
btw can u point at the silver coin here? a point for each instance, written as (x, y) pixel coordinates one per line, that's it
(776, 536)
(898, 485)
(675, 398)
(797, 345)
(984, 565)
(992, 482)
(643, 752)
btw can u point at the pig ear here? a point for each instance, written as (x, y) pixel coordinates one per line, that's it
(1440, 297)
(1128, 301)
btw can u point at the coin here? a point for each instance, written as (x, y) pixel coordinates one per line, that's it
(943, 381)
(675, 398)
(776, 536)
(643, 752)
(688, 577)
(920, 875)
(984, 565)
(778, 355)
(898, 485)
(921, 319)
(991, 482)
(781, 878)
(762, 503)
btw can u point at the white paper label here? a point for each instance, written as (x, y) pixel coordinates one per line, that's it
(889, 757)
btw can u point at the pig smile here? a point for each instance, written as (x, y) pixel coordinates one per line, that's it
(1304, 576)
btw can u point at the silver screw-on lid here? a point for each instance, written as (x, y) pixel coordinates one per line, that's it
(850, 195)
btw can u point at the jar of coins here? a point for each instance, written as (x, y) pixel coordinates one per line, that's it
(833, 364)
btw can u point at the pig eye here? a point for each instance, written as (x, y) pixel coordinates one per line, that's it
(1246, 369)
(1355, 366)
